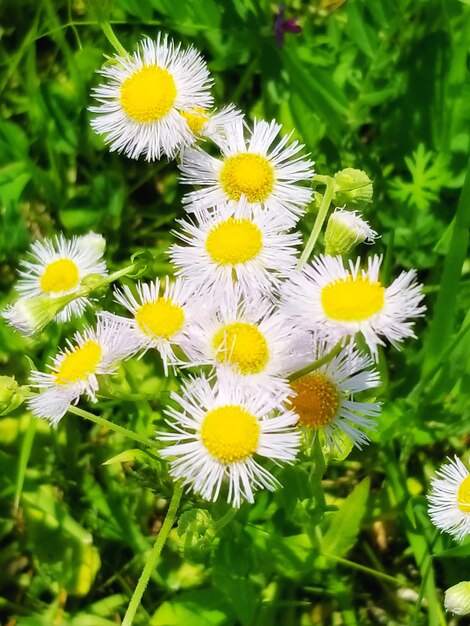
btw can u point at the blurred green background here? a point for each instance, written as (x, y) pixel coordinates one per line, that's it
(380, 85)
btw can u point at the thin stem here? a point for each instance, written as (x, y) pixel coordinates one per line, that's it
(154, 555)
(130, 434)
(224, 520)
(321, 216)
(363, 568)
(113, 40)
(119, 273)
(326, 358)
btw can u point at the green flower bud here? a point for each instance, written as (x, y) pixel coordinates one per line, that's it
(93, 282)
(457, 599)
(30, 315)
(11, 394)
(352, 188)
(346, 229)
(195, 528)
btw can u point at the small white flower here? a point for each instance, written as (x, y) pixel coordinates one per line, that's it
(74, 371)
(144, 95)
(324, 398)
(246, 339)
(457, 598)
(217, 433)
(161, 315)
(450, 499)
(251, 250)
(337, 302)
(346, 229)
(212, 124)
(58, 266)
(254, 171)
(30, 315)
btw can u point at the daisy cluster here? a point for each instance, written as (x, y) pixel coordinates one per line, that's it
(273, 351)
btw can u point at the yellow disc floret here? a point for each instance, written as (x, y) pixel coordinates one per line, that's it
(60, 275)
(463, 496)
(249, 174)
(234, 241)
(196, 119)
(162, 318)
(80, 363)
(241, 345)
(317, 400)
(352, 299)
(148, 94)
(230, 433)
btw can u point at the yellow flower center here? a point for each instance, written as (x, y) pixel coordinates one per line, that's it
(230, 433)
(248, 174)
(60, 275)
(352, 299)
(242, 345)
(79, 364)
(161, 318)
(148, 94)
(463, 495)
(316, 402)
(234, 241)
(196, 119)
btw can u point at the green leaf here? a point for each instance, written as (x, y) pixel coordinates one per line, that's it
(345, 524)
(205, 607)
(127, 456)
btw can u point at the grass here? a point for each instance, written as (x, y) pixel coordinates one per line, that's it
(381, 86)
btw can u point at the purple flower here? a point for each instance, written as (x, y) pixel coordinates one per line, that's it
(282, 26)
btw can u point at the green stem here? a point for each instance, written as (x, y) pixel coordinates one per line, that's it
(326, 358)
(119, 273)
(113, 40)
(225, 519)
(130, 434)
(363, 568)
(319, 220)
(154, 555)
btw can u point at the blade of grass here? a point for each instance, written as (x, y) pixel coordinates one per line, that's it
(443, 321)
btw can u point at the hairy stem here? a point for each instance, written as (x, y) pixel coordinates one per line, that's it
(311, 367)
(113, 40)
(320, 219)
(153, 558)
(130, 434)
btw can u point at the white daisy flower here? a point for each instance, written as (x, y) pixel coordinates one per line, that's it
(212, 124)
(217, 434)
(57, 267)
(223, 250)
(338, 302)
(74, 371)
(144, 95)
(450, 499)
(243, 338)
(161, 314)
(256, 171)
(324, 398)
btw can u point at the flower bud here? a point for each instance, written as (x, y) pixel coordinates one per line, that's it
(94, 243)
(11, 394)
(353, 188)
(457, 598)
(30, 315)
(346, 229)
(196, 531)
(93, 282)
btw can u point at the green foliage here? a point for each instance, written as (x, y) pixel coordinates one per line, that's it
(380, 86)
